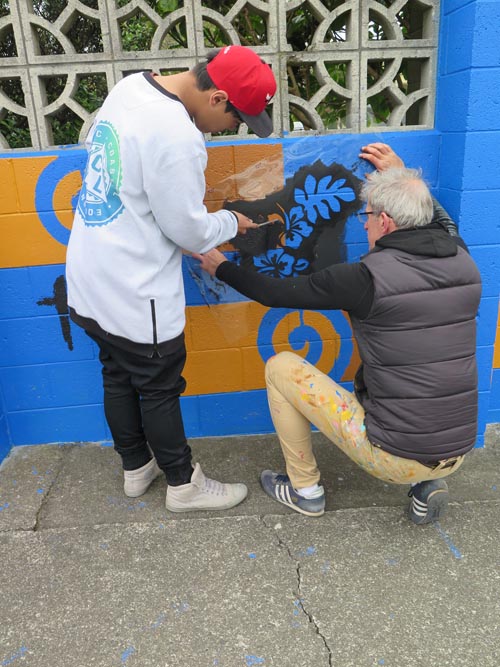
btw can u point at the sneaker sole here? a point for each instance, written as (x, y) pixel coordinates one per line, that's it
(203, 509)
(305, 512)
(437, 503)
(296, 508)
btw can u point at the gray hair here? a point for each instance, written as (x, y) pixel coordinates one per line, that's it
(402, 194)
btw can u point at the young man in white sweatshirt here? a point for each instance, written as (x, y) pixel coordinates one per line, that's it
(140, 205)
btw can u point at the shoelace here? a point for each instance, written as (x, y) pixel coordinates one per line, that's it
(213, 487)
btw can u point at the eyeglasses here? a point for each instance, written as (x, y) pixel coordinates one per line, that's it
(363, 213)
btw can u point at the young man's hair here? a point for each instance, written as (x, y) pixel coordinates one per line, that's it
(204, 82)
(402, 194)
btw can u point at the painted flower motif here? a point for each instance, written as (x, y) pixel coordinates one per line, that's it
(279, 264)
(321, 197)
(296, 227)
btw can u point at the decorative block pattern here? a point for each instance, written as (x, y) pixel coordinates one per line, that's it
(354, 55)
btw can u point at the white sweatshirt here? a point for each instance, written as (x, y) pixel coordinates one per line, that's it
(141, 203)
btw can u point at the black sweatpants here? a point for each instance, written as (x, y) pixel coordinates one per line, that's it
(142, 406)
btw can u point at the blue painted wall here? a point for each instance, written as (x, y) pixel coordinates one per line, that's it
(50, 392)
(468, 118)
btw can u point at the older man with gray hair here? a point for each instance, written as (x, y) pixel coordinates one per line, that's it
(412, 300)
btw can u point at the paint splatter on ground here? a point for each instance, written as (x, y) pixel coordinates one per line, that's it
(127, 653)
(15, 656)
(309, 551)
(447, 541)
(254, 660)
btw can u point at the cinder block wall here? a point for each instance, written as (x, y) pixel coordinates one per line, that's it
(50, 386)
(469, 171)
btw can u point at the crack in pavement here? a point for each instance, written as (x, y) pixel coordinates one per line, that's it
(299, 599)
(53, 481)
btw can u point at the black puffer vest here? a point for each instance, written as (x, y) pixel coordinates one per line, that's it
(418, 380)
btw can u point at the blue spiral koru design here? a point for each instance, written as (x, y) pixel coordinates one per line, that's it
(306, 335)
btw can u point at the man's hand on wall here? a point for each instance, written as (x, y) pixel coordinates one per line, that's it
(210, 260)
(381, 156)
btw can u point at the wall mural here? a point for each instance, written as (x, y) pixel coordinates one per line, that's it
(310, 191)
(309, 216)
(59, 301)
(302, 230)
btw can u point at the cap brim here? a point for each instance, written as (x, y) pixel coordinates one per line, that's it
(262, 124)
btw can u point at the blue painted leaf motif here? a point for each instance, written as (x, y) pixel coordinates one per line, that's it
(279, 264)
(321, 197)
(300, 265)
(297, 228)
(275, 263)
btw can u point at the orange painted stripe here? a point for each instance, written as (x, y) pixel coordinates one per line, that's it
(233, 173)
(223, 355)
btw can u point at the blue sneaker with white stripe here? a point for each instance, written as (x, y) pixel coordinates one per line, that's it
(429, 501)
(279, 487)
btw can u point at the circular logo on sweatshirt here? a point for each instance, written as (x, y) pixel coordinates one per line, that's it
(99, 202)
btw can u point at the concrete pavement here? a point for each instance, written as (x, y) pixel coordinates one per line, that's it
(92, 578)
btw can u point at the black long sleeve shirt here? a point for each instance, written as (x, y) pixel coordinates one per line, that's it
(342, 286)
(338, 287)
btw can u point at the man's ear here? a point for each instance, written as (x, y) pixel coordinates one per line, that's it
(388, 225)
(218, 96)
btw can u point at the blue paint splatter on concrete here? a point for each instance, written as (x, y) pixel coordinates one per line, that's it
(447, 540)
(40, 491)
(310, 551)
(159, 621)
(4, 506)
(180, 607)
(253, 660)
(252, 555)
(494, 487)
(34, 471)
(392, 561)
(298, 605)
(127, 653)
(19, 654)
(381, 661)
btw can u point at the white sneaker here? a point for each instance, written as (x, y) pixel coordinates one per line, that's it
(202, 493)
(137, 481)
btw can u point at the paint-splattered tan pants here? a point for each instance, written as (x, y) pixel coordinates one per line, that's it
(300, 395)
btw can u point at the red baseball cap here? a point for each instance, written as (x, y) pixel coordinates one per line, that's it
(249, 83)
